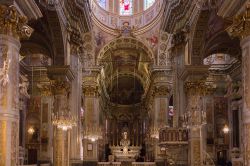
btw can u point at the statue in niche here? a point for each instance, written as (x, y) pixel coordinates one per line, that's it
(23, 86)
(125, 142)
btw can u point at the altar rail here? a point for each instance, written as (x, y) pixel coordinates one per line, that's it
(173, 136)
(133, 163)
(143, 164)
(109, 163)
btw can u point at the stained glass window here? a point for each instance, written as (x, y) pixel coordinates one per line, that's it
(148, 3)
(126, 7)
(102, 3)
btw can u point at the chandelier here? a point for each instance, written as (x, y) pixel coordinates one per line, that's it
(64, 120)
(93, 133)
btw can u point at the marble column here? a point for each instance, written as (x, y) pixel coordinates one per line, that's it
(195, 91)
(241, 28)
(12, 27)
(61, 78)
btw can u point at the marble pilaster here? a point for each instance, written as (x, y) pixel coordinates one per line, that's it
(241, 28)
(12, 27)
(61, 79)
(195, 90)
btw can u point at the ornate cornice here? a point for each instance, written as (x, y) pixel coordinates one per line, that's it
(13, 24)
(241, 24)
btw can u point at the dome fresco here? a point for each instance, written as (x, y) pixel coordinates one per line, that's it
(126, 7)
(114, 13)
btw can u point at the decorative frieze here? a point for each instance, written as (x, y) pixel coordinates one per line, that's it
(13, 24)
(90, 90)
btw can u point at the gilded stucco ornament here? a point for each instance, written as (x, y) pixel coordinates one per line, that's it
(198, 87)
(45, 89)
(60, 87)
(90, 90)
(13, 24)
(241, 25)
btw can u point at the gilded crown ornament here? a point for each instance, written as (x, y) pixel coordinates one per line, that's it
(13, 24)
(241, 24)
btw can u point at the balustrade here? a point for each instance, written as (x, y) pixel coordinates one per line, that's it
(173, 135)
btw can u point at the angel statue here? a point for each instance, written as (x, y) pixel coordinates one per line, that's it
(23, 86)
(4, 76)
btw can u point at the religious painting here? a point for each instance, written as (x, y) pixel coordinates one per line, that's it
(100, 39)
(126, 7)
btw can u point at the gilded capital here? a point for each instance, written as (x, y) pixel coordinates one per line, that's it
(198, 87)
(13, 24)
(90, 90)
(161, 90)
(60, 87)
(241, 25)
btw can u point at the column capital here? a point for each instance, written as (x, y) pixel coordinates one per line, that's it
(241, 24)
(61, 77)
(90, 90)
(13, 24)
(199, 87)
(161, 90)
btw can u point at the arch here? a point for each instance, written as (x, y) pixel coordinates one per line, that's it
(198, 36)
(126, 43)
(222, 43)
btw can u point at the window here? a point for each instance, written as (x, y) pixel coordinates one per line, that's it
(102, 3)
(148, 3)
(126, 7)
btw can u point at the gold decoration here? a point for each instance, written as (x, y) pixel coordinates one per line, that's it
(45, 89)
(14, 144)
(161, 90)
(90, 90)
(13, 24)
(2, 142)
(241, 24)
(60, 87)
(198, 87)
(197, 153)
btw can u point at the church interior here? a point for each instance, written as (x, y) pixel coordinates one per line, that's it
(124, 82)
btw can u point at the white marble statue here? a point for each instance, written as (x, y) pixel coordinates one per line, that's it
(24, 85)
(4, 76)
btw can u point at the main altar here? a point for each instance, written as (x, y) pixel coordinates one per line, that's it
(124, 151)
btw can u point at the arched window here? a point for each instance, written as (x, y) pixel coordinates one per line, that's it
(102, 3)
(126, 7)
(148, 3)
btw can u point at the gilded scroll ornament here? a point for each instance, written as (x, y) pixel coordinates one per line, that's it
(12, 23)
(60, 87)
(241, 25)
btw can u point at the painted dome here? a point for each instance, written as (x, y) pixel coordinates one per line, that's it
(113, 13)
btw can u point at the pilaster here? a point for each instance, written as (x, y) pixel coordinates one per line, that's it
(241, 28)
(61, 77)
